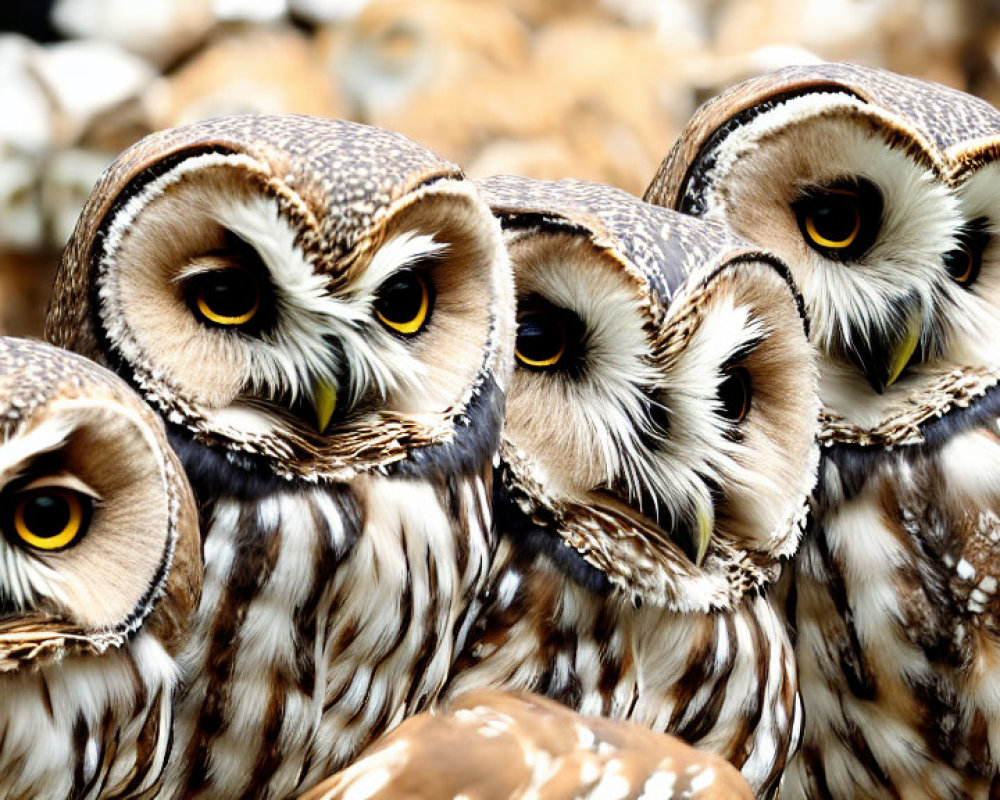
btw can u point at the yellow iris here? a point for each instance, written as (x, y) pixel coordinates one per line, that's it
(40, 532)
(541, 362)
(402, 309)
(834, 244)
(541, 340)
(228, 297)
(221, 319)
(970, 264)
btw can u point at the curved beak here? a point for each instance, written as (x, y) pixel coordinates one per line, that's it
(324, 400)
(694, 540)
(883, 360)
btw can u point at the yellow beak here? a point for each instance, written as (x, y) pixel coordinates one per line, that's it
(324, 403)
(907, 346)
(706, 522)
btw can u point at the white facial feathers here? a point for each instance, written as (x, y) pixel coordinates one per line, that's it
(292, 355)
(317, 336)
(29, 444)
(607, 405)
(702, 438)
(614, 416)
(815, 141)
(975, 311)
(22, 578)
(106, 572)
(177, 228)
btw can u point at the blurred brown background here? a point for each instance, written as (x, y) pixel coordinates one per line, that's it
(594, 89)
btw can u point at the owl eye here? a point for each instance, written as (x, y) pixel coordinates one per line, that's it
(541, 340)
(49, 518)
(840, 221)
(734, 394)
(403, 303)
(964, 262)
(226, 297)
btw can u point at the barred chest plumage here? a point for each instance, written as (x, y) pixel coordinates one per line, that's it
(724, 682)
(329, 614)
(126, 693)
(896, 616)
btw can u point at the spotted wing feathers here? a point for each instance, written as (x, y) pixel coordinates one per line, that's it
(499, 745)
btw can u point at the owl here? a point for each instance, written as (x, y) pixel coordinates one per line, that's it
(100, 571)
(658, 450)
(878, 192)
(495, 745)
(318, 310)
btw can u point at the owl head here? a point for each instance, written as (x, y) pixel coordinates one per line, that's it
(100, 570)
(661, 419)
(877, 191)
(298, 297)
(87, 546)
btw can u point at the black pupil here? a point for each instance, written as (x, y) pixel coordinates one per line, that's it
(835, 217)
(229, 292)
(964, 262)
(957, 262)
(734, 394)
(400, 299)
(539, 338)
(46, 515)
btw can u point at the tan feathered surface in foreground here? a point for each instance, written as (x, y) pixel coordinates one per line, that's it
(492, 745)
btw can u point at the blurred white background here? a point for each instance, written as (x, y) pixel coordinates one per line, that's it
(594, 89)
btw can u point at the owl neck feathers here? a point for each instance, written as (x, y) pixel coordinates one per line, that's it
(219, 470)
(916, 433)
(955, 401)
(613, 551)
(71, 729)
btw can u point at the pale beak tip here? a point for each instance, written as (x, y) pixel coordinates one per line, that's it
(705, 525)
(905, 350)
(324, 403)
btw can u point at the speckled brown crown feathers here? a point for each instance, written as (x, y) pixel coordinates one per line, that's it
(959, 130)
(655, 247)
(33, 375)
(358, 170)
